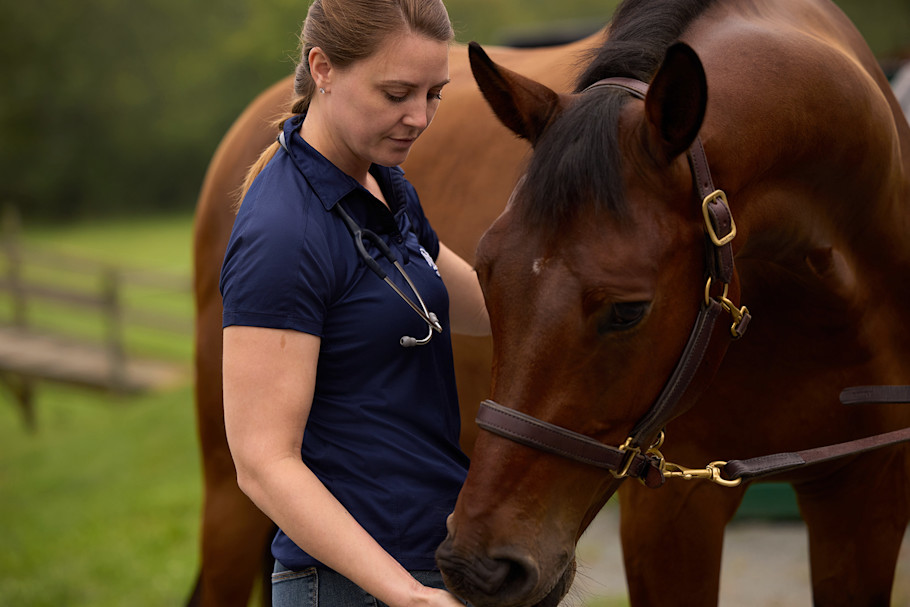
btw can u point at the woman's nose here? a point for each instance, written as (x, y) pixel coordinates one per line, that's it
(418, 114)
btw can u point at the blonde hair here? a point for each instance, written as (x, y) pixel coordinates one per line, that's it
(348, 31)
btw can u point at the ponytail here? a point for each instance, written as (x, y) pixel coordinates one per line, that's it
(253, 171)
(301, 104)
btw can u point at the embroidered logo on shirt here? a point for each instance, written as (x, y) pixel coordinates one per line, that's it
(430, 261)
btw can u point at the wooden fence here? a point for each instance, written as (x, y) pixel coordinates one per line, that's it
(43, 283)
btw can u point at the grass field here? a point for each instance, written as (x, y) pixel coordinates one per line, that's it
(100, 507)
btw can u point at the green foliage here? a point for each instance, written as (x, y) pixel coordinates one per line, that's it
(116, 107)
(885, 24)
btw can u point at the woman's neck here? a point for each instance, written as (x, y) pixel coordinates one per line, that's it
(314, 132)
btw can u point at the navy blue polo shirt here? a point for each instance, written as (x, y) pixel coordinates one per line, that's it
(382, 434)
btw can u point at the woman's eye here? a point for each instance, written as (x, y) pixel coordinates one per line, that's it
(437, 95)
(622, 316)
(396, 98)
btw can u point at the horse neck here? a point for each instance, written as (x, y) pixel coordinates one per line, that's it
(800, 111)
(816, 167)
(805, 156)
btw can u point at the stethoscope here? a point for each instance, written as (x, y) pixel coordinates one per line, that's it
(358, 234)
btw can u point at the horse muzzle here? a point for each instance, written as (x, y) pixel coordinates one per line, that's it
(505, 577)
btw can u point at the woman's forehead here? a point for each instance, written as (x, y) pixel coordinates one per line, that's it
(409, 58)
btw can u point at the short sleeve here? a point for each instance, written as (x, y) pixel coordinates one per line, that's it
(278, 268)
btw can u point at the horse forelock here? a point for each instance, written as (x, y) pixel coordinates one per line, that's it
(577, 162)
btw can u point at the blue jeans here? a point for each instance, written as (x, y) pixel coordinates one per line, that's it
(314, 587)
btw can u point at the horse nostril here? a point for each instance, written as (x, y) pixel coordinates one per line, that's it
(519, 575)
(488, 581)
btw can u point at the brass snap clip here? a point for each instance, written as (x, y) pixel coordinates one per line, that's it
(738, 314)
(711, 473)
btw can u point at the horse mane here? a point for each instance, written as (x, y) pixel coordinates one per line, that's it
(577, 160)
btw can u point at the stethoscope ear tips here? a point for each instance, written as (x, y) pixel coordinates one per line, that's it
(407, 342)
(433, 321)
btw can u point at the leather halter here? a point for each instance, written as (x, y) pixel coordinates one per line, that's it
(648, 465)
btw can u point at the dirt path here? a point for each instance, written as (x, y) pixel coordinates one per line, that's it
(765, 565)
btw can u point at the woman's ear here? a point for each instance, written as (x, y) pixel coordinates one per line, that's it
(320, 67)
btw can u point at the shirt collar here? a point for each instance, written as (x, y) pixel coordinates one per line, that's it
(329, 183)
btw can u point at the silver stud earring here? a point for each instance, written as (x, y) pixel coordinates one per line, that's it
(322, 90)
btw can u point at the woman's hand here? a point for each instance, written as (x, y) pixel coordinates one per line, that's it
(434, 597)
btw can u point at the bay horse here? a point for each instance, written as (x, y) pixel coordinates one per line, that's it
(463, 168)
(601, 264)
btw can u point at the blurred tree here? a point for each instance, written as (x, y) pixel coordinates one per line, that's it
(115, 107)
(111, 107)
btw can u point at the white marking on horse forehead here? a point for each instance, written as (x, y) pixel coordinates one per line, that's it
(538, 265)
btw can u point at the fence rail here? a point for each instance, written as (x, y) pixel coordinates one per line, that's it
(31, 278)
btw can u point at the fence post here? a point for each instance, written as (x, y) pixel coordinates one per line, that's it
(12, 227)
(22, 388)
(115, 338)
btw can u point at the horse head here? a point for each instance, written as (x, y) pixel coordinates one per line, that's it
(594, 276)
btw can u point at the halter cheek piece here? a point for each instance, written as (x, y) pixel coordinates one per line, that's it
(649, 465)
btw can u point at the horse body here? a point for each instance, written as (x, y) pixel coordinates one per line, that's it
(463, 168)
(592, 297)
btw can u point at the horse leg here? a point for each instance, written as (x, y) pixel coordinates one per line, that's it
(235, 535)
(234, 532)
(672, 540)
(856, 516)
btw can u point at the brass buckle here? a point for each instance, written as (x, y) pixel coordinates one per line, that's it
(630, 453)
(717, 195)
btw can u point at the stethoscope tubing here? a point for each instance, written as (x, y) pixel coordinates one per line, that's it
(358, 234)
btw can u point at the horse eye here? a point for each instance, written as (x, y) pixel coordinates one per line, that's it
(622, 316)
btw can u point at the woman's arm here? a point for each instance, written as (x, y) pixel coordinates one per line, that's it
(269, 378)
(467, 310)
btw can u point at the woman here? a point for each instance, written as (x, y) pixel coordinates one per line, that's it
(340, 403)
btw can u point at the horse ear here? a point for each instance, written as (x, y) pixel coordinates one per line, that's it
(676, 100)
(525, 106)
